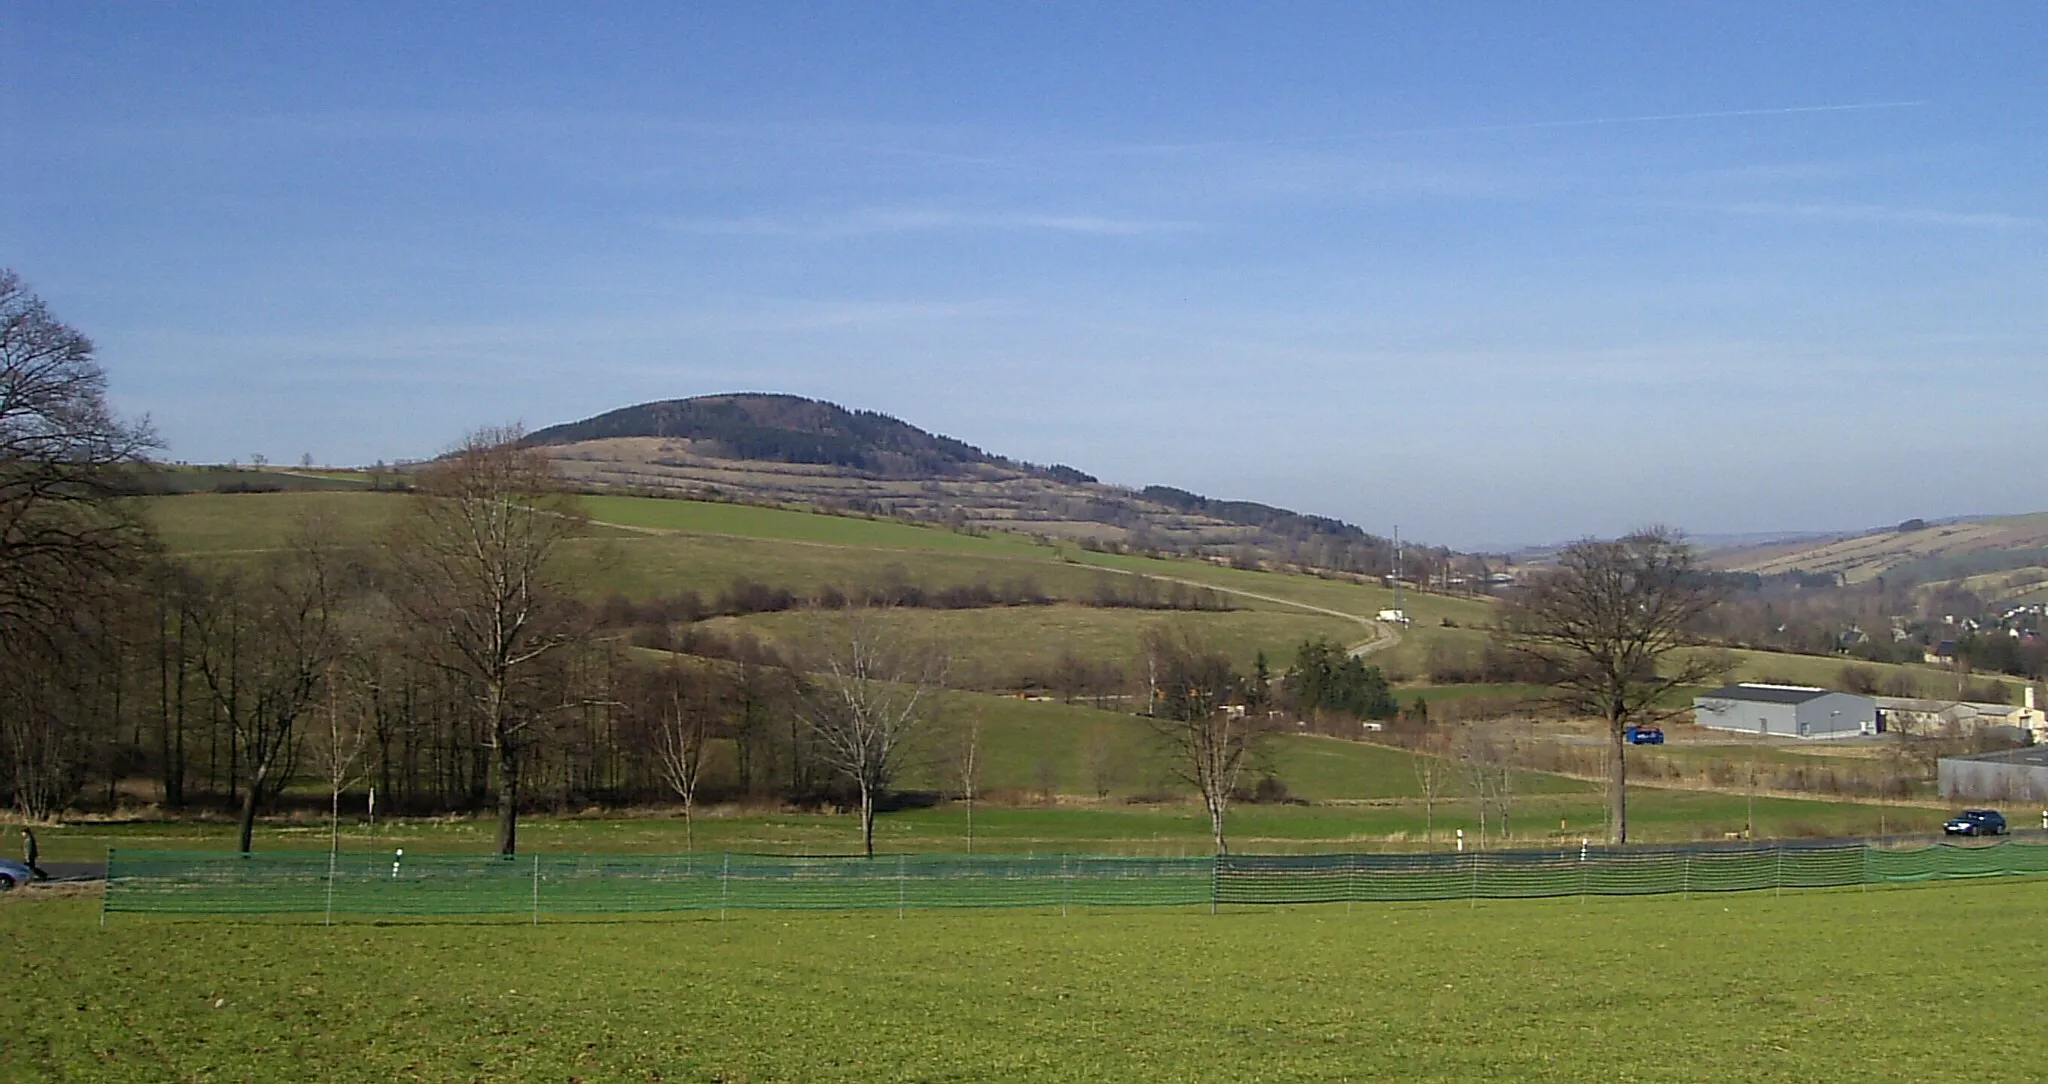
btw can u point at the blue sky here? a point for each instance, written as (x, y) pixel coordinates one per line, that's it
(1491, 272)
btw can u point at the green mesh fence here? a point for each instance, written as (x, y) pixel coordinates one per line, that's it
(286, 882)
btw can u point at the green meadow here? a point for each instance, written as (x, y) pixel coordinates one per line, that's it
(1927, 983)
(646, 546)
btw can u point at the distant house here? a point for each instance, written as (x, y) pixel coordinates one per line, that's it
(1786, 711)
(1940, 654)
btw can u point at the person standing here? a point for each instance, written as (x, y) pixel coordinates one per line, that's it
(30, 852)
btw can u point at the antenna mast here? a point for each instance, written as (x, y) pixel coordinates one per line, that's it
(1397, 568)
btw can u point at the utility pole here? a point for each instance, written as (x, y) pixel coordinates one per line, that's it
(1397, 569)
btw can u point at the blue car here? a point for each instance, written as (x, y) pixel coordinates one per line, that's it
(1644, 735)
(1976, 822)
(14, 873)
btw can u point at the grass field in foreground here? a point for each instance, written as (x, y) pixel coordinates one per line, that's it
(1168, 829)
(1928, 983)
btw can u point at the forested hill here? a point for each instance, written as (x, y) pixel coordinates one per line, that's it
(785, 449)
(1254, 514)
(785, 429)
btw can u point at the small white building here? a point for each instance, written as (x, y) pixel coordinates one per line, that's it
(1786, 711)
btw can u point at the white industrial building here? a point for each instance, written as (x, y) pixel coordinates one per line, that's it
(1786, 711)
(1936, 716)
(2017, 775)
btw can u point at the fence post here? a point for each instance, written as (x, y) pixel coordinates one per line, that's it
(1685, 878)
(1472, 859)
(330, 888)
(536, 889)
(1584, 882)
(1350, 881)
(108, 890)
(899, 885)
(1778, 873)
(1215, 871)
(724, 885)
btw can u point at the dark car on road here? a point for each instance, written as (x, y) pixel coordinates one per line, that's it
(1976, 822)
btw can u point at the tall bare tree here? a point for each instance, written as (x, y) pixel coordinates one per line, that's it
(1198, 714)
(868, 693)
(1431, 760)
(1608, 625)
(268, 645)
(967, 765)
(66, 545)
(478, 558)
(1489, 772)
(341, 747)
(62, 451)
(683, 725)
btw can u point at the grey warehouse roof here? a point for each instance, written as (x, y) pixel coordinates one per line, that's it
(1764, 694)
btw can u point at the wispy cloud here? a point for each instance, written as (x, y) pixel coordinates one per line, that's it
(1876, 213)
(1518, 126)
(876, 221)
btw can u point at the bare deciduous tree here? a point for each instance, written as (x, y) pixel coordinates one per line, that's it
(341, 750)
(1210, 738)
(1432, 764)
(682, 736)
(1489, 775)
(478, 556)
(869, 692)
(967, 767)
(1608, 626)
(61, 450)
(1101, 759)
(267, 646)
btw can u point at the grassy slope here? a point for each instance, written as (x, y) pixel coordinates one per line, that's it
(1914, 983)
(662, 553)
(997, 641)
(701, 546)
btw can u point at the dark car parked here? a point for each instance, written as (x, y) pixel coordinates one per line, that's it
(1976, 822)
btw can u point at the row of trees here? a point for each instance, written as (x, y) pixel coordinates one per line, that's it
(445, 661)
(449, 660)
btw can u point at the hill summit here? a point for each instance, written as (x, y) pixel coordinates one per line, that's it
(786, 449)
(775, 428)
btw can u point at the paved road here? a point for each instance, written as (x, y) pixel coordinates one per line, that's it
(75, 871)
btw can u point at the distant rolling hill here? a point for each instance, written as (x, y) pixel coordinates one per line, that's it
(792, 450)
(1913, 553)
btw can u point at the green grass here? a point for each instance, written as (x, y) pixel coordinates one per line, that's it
(219, 524)
(704, 546)
(1558, 816)
(1427, 611)
(997, 642)
(750, 521)
(1920, 983)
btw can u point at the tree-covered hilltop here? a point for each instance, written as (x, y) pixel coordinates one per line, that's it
(784, 429)
(956, 483)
